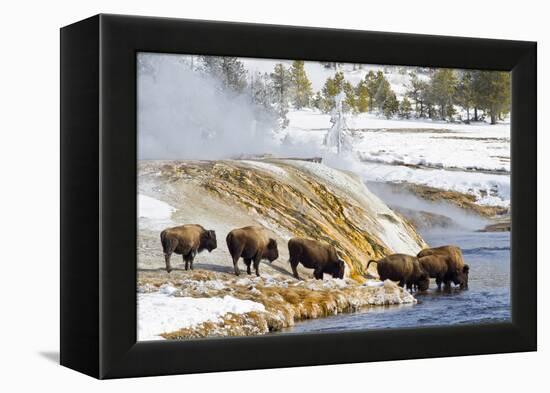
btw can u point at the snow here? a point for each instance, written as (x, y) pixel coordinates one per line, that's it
(160, 312)
(374, 283)
(472, 159)
(167, 289)
(154, 214)
(435, 150)
(203, 287)
(265, 166)
(489, 189)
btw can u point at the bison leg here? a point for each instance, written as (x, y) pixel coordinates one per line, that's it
(186, 261)
(235, 263)
(168, 246)
(294, 266)
(257, 264)
(191, 258)
(248, 262)
(401, 283)
(318, 273)
(236, 267)
(167, 260)
(438, 282)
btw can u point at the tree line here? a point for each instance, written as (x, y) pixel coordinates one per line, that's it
(437, 94)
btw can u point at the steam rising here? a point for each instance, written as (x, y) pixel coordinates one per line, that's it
(404, 199)
(185, 114)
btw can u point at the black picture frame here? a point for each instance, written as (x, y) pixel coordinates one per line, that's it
(98, 195)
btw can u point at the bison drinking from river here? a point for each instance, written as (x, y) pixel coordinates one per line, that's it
(451, 258)
(252, 244)
(403, 268)
(188, 241)
(315, 255)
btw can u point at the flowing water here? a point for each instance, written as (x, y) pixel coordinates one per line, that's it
(486, 301)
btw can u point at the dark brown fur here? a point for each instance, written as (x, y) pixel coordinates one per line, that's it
(457, 270)
(402, 268)
(321, 257)
(252, 244)
(188, 241)
(436, 266)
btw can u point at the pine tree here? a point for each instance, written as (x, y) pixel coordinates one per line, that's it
(260, 92)
(492, 93)
(443, 89)
(301, 86)
(317, 101)
(465, 93)
(371, 85)
(281, 87)
(391, 105)
(478, 87)
(229, 71)
(333, 86)
(405, 108)
(382, 91)
(362, 100)
(234, 73)
(417, 92)
(349, 104)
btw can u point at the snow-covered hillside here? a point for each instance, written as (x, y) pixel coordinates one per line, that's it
(471, 159)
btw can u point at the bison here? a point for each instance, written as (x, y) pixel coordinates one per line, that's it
(188, 241)
(436, 266)
(252, 244)
(320, 257)
(403, 268)
(457, 270)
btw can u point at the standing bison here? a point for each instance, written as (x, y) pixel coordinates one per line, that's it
(457, 270)
(403, 268)
(436, 266)
(252, 244)
(188, 241)
(320, 257)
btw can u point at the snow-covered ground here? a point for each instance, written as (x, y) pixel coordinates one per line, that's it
(154, 214)
(161, 312)
(472, 159)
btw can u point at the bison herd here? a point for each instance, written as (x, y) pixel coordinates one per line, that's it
(445, 264)
(252, 244)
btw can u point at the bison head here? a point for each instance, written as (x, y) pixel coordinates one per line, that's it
(335, 269)
(339, 269)
(272, 252)
(208, 240)
(460, 277)
(463, 277)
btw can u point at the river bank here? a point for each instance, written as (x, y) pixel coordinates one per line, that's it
(202, 303)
